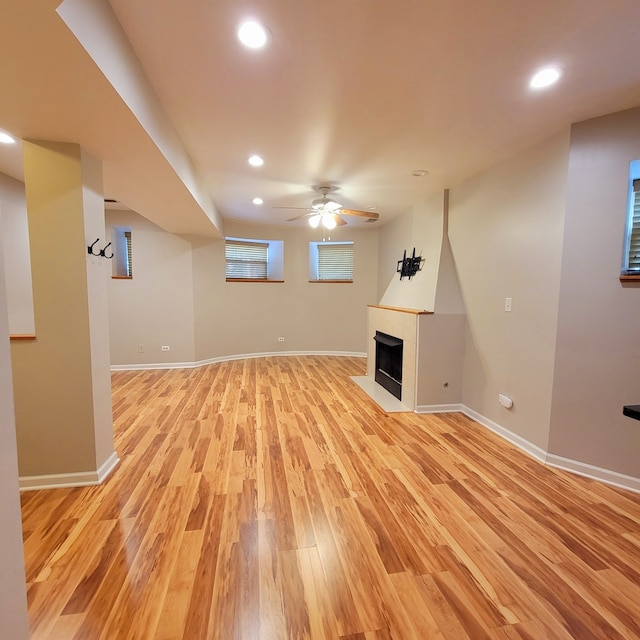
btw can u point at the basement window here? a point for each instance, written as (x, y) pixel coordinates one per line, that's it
(331, 262)
(122, 261)
(251, 260)
(631, 254)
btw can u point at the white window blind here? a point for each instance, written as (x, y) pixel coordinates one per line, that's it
(632, 265)
(246, 260)
(335, 261)
(127, 241)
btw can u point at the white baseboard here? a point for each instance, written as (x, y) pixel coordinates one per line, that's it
(80, 479)
(438, 408)
(607, 476)
(565, 464)
(239, 356)
(520, 442)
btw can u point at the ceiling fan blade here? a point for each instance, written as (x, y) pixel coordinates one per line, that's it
(302, 215)
(363, 214)
(340, 221)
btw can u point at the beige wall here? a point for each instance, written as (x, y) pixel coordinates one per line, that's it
(178, 297)
(422, 229)
(597, 369)
(155, 307)
(439, 360)
(13, 599)
(235, 318)
(14, 235)
(506, 228)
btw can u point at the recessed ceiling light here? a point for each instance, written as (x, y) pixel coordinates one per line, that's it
(545, 78)
(252, 34)
(255, 161)
(5, 138)
(257, 201)
(419, 173)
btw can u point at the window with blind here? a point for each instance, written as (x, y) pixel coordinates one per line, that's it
(122, 243)
(253, 260)
(631, 266)
(331, 261)
(127, 242)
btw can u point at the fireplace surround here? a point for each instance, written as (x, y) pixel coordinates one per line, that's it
(389, 363)
(401, 324)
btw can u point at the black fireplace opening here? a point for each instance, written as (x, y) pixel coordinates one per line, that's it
(389, 363)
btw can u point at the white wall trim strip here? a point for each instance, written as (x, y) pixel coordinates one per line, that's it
(530, 448)
(61, 480)
(438, 408)
(607, 476)
(240, 356)
(565, 464)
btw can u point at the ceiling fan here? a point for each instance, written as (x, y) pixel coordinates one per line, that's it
(328, 213)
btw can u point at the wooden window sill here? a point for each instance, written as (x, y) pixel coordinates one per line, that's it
(334, 281)
(21, 337)
(634, 278)
(122, 277)
(250, 280)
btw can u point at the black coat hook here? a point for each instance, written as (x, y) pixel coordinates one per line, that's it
(102, 251)
(104, 255)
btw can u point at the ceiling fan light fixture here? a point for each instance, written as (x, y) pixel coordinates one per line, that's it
(329, 221)
(314, 221)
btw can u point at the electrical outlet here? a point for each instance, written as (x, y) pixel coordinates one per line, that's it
(505, 401)
(281, 339)
(165, 348)
(140, 348)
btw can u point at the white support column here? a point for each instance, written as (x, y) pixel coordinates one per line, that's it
(62, 379)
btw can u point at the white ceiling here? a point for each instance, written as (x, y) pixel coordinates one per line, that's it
(356, 93)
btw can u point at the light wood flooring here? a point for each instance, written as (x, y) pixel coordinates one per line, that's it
(271, 499)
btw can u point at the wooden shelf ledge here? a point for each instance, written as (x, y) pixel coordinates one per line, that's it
(416, 312)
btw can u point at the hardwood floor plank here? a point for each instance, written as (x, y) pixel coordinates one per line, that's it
(56, 593)
(296, 612)
(175, 607)
(272, 499)
(247, 622)
(322, 621)
(203, 584)
(581, 620)
(272, 621)
(65, 627)
(96, 567)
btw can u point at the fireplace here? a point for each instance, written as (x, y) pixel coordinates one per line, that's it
(389, 363)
